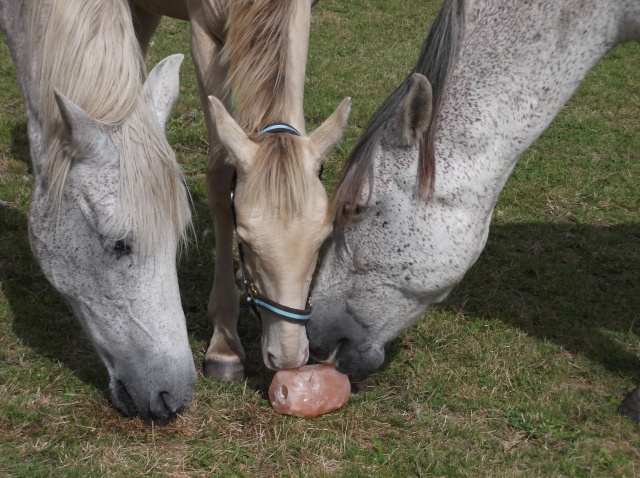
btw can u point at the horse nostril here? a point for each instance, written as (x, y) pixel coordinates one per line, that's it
(164, 396)
(271, 362)
(123, 399)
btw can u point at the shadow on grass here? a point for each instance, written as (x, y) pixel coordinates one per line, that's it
(195, 275)
(576, 286)
(44, 322)
(41, 318)
(20, 144)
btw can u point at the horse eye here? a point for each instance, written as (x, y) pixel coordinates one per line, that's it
(121, 248)
(353, 212)
(357, 210)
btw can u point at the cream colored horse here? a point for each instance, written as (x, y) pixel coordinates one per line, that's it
(252, 54)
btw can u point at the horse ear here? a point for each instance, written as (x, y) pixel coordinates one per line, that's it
(231, 135)
(86, 135)
(325, 137)
(162, 87)
(414, 112)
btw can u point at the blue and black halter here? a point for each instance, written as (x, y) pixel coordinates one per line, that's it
(255, 298)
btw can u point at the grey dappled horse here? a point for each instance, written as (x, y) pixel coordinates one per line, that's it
(109, 205)
(416, 199)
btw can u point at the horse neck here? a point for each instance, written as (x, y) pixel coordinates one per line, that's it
(13, 24)
(264, 104)
(515, 72)
(14, 21)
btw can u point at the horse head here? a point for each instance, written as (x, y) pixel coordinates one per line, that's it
(370, 285)
(282, 217)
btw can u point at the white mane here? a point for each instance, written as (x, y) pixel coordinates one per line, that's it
(88, 50)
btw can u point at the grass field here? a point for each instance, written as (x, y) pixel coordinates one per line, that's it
(519, 373)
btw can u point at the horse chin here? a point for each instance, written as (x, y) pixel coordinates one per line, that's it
(336, 337)
(160, 411)
(363, 358)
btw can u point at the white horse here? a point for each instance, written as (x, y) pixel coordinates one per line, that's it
(109, 205)
(416, 199)
(253, 54)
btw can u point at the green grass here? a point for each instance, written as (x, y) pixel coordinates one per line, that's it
(519, 373)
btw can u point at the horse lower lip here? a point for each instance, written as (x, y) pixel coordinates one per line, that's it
(166, 415)
(127, 406)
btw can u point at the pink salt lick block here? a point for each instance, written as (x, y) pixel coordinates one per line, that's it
(309, 391)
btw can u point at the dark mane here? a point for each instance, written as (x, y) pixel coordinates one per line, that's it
(437, 56)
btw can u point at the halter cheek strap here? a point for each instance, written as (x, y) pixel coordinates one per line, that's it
(255, 299)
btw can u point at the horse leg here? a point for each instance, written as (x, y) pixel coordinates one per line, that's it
(144, 23)
(225, 355)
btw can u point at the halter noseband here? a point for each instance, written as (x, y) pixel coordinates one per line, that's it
(253, 296)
